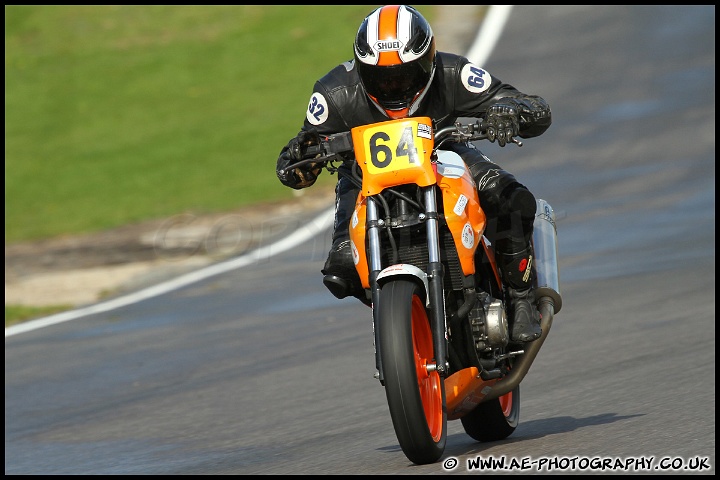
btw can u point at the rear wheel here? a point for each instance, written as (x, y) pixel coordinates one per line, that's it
(416, 396)
(495, 419)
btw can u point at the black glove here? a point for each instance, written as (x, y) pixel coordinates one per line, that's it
(305, 175)
(502, 122)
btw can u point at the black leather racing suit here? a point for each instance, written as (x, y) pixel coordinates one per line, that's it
(458, 89)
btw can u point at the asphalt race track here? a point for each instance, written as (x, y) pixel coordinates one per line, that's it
(261, 371)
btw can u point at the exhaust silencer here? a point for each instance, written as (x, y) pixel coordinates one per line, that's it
(547, 293)
(547, 275)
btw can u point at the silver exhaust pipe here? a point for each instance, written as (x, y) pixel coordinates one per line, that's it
(547, 292)
(547, 275)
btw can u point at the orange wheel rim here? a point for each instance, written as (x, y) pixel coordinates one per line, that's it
(506, 403)
(428, 382)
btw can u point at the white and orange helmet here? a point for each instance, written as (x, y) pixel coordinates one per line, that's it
(395, 58)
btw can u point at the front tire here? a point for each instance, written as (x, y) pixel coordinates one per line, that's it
(495, 419)
(415, 396)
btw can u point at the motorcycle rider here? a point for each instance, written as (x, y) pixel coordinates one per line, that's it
(397, 73)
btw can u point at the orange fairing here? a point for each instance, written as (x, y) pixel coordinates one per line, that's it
(464, 390)
(396, 152)
(463, 214)
(357, 241)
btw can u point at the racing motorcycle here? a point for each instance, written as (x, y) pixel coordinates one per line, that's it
(428, 270)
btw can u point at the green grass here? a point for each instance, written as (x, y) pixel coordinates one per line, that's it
(120, 114)
(17, 313)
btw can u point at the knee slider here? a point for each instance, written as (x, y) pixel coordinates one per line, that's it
(517, 215)
(523, 201)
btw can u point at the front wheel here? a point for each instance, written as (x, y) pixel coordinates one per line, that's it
(495, 419)
(416, 396)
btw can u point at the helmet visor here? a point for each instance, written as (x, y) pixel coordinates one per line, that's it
(394, 87)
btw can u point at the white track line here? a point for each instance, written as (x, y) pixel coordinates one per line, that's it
(319, 224)
(488, 35)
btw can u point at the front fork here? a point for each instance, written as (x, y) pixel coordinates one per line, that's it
(374, 267)
(434, 272)
(435, 283)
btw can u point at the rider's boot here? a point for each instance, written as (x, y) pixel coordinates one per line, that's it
(518, 274)
(340, 275)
